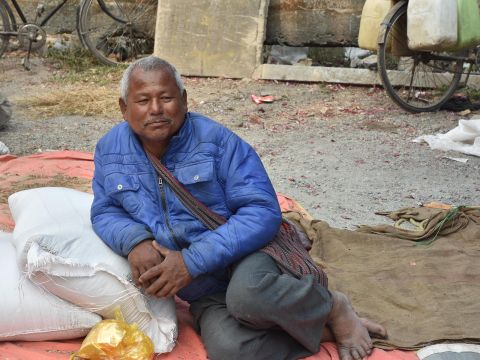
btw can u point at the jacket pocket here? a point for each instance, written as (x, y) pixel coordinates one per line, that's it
(195, 173)
(201, 181)
(124, 189)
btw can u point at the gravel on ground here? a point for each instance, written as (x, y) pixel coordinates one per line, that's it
(343, 152)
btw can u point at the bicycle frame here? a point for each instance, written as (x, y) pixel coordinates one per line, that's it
(31, 31)
(22, 16)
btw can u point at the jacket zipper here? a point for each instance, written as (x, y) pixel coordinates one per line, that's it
(164, 207)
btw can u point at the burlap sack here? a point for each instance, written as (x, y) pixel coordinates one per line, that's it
(423, 292)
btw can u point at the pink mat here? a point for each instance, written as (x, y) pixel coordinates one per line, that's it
(189, 345)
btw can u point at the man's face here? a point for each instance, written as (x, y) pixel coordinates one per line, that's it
(155, 109)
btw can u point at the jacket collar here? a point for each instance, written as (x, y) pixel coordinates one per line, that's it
(180, 139)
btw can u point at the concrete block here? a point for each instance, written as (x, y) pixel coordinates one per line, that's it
(337, 75)
(211, 37)
(317, 74)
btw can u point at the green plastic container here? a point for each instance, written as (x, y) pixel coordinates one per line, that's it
(468, 23)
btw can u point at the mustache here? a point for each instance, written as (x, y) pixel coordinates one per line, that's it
(157, 120)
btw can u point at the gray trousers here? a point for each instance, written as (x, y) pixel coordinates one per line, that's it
(264, 314)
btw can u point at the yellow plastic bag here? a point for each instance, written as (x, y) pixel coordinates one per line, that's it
(115, 339)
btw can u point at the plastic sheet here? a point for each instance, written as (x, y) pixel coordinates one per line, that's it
(189, 345)
(465, 138)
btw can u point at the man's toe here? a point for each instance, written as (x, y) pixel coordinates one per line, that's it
(356, 354)
(362, 352)
(374, 328)
(345, 354)
(379, 330)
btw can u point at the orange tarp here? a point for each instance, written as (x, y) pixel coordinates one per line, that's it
(80, 165)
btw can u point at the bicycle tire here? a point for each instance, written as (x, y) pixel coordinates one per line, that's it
(13, 21)
(117, 31)
(418, 81)
(4, 26)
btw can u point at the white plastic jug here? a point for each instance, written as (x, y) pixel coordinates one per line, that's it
(432, 24)
(373, 13)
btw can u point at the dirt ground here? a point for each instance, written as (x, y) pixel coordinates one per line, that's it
(343, 152)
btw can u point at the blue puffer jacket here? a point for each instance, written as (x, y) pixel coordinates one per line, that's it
(217, 167)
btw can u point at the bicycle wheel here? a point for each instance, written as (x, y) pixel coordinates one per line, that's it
(418, 81)
(4, 26)
(117, 31)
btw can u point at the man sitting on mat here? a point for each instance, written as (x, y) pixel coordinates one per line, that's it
(190, 205)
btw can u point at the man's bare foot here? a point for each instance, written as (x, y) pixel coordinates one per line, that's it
(375, 330)
(351, 333)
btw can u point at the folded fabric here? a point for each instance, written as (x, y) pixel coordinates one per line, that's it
(427, 223)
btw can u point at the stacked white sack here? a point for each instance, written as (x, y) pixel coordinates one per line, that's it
(29, 313)
(59, 250)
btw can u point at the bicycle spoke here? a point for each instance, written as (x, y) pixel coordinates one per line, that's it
(125, 14)
(97, 28)
(128, 12)
(130, 37)
(411, 81)
(133, 11)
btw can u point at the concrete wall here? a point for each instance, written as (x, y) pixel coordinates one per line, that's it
(313, 22)
(289, 22)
